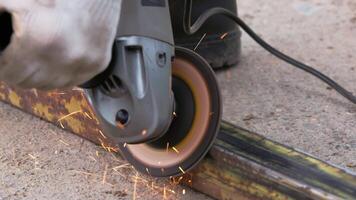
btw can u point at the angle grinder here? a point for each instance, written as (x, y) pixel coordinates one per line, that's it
(160, 103)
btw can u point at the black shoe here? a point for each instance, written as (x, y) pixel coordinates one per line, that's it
(221, 45)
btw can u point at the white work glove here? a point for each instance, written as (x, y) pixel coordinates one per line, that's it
(57, 43)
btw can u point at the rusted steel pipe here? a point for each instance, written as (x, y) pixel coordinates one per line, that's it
(241, 165)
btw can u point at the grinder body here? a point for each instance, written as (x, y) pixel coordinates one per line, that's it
(133, 98)
(159, 104)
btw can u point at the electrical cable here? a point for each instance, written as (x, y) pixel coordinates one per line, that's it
(191, 29)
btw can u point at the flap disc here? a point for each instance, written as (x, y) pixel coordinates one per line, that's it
(195, 125)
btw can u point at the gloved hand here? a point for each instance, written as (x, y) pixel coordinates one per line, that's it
(57, 43)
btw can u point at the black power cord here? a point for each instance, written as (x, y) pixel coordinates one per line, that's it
(191, 29)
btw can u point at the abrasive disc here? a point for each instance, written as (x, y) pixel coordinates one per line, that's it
(195, 121)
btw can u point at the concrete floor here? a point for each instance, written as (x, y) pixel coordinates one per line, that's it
(284, 103)
(40, 161)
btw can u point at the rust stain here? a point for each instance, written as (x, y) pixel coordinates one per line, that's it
(14, 99)
(43, 111)
(2, 97)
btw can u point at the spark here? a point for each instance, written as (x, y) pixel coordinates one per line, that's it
(57, 93)
(172, 191)
(189, 177)
(97, 121)
(112, 149)
(150, 185)
(87, 114)
(121, 174)
(125, 144)
(60, 123)
(102, 134)
(115, 157)
(117, 169)
(174, 114)
(167, 148)
(135, 186)
(175, 149)
(144, 132)
(142, 180)
(32, 156)
(78, 89)
(107, 148)
(148, 172)
(70, 114)
(120, 125)
(201, 40)
(91, 157)
(35, 92)
(52, 131)
(164, 192)
(121, 166)
(105, 174)
(63, 142)
(183, 192)
(180, 179)
(223, 36)
(175, 181)
(112, 185)
(181, 169)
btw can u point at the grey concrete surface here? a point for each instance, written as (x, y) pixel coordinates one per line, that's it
(283, 103)
(39, 161)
